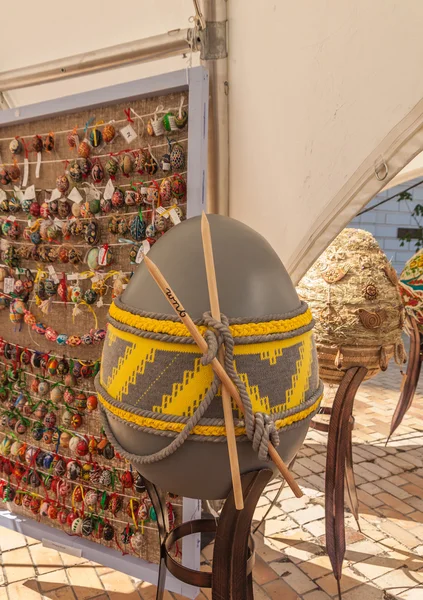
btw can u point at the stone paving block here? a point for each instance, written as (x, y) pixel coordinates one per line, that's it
(293, 576)
(17, 565)
(349, 580)
(45, 559)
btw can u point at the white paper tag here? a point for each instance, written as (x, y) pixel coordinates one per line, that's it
(109, 190)
(92, 194)
(174, 216)
(165, 166)
(29, 193)
(128, 133)
(4, 245)
(102, 256)
(55, 195)
(61, 548)
(18, 193)
(140, 255)
(26, 173)
(144, 189)
(58, 223)
(3, 195)
(11, 218)
(75, 196)
(160, 210)
(146, 246)
(72, 276)
(38, 167)
(53, 273)
(9, 285)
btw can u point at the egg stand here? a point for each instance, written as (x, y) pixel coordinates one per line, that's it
(233, 554)
(339, 467)
(412, 375)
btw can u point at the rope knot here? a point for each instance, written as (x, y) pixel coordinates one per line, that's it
(218, 333)
(264, 432)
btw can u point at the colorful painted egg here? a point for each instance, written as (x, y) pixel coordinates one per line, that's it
(95, 137)
(62, 184)
(47, 461)
(92, 232)
(87, 526)
(50, 419)
(92, 402)
(85, 165)
(34, 209)
(94, 206)
(62, 339)
(160, 223)
(169, 122)
(71, 518)
(76, 421)
(82, 448)
(179, 187)
(109, 133)
(166, 191)
(126, 164)
(37, 432)
(35, 505)
(118, 199)
(15, 173)
(48, 436)
(14, 205)
(151, 165)
(132, 198)
(75, 172)
(62, 516)
(65, 439)
(137, 228)
(83, 150)
(20, 428)
(77, 526)
(177, 157)
(48, 143)
(108, 532)
(181, 119)
(5, 178)
(105, 205)
(90, 296)
(112, 167)
(153, 193)
(43, 388)
(97, 173)
(15, 147)
(64, 209)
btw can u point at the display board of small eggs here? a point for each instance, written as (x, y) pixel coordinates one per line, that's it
(83, 197)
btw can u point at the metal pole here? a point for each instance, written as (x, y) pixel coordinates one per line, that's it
(168, 44)
(214, 56)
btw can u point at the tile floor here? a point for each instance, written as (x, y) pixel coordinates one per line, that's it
(383, 562)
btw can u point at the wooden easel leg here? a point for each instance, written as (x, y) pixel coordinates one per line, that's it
(339, 440)
(230, 579)
(159, 505)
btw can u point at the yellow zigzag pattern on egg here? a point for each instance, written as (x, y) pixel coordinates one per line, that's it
(129, 366)
(271, 355)
(258, 403)
(186, 396)
(301, 378)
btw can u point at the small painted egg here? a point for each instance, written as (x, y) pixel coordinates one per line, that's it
(15, 146)
(62, 183)
(97, 173)
(112, 167)
(49, 143)
(95, 137)
(75, 172)
(177, 157)
(126, 164)
(83, 150)
(109, 133)
(37, 143)
(118, 198)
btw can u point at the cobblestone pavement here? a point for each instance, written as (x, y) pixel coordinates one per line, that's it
(383, 562)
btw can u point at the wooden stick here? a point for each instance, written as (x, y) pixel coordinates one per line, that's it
(217, 367)
(226, 397)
